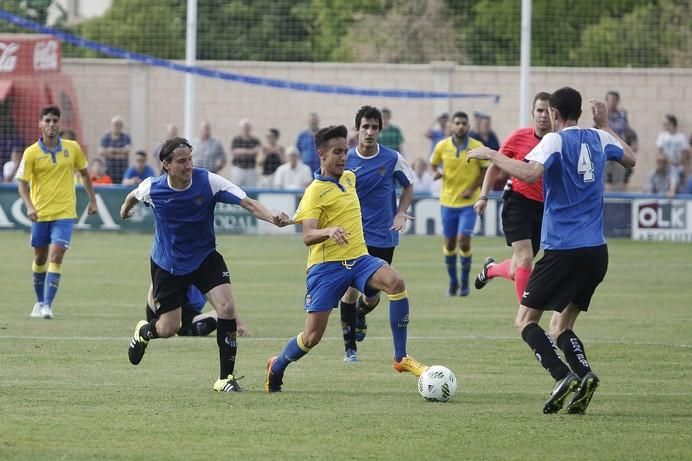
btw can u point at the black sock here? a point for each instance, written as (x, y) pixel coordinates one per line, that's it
(574, 351)
(228, 346)
(543, 346)
(203, 327)
(364, 308)
(348, 324)
(148, 331)
(150, 313)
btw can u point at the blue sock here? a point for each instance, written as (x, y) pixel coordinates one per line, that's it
(294, 350)
(39, 281)
(451, 263)
(398, 320)
(465, 269)
(52, 283)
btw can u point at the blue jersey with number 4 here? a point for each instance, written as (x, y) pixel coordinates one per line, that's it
(574, 161)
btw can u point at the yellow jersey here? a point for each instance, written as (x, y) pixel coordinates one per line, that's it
(458, 174)
(51, 178)
(334, 203)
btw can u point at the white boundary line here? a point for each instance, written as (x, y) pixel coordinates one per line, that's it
(334, 338)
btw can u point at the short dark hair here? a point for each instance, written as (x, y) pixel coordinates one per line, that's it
(55, 110)
(460, 114)
(275, 132)
(141, 153)
(672, 119)
(370, 112)
(540, 96)
(323, 136)
(613, 93)
(567, 101)
(170, 145)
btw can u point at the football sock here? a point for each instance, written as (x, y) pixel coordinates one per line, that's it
(52, 283)
(500, 270)
(543, 346)
(294, 350)
(398, 320)
(574, 351)
(228, 346)
(203, 327)
(364, 308)
(465, 267)
(521, 279)
(451, 263)
(148, 331)
(348, 324)
(39, 280)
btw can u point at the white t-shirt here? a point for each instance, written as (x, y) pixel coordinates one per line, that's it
(8, 169)
(672, 145)
(286, 177)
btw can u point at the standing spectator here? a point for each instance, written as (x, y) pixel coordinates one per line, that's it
(97, 172)
(674, 145)
(306, 143)
(139, 171)
(422, 179)
(391, 136)
(271, 158)
(115, 149)
(171, 132)
(483, 131)
(244, 149)
(661, 181)
(9, 169)
(438, 131)
(616, 175)
(461, 182)
(293, 174)
(207, 151)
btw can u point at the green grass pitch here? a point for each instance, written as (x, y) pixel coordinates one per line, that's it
(67, 390)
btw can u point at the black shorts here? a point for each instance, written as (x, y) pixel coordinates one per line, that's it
(563, 277)
(383, 253)
(170, 291)
(522, 219)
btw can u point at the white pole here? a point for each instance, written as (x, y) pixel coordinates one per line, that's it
(190, 57)
(525, 63)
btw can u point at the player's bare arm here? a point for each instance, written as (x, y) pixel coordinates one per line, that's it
(128, 204)
(89, 188)
(435, 172)
(600, 119)
(401, 215)
(528, 172)
(491, 175)
(23, 188)
(313, 234)
(262, 212)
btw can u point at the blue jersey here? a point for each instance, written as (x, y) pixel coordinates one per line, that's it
(184, 233)
(376, 179)
(574, 161)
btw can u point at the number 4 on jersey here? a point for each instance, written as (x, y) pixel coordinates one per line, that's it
(585, 165)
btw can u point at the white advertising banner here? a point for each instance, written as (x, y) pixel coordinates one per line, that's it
(662, 219)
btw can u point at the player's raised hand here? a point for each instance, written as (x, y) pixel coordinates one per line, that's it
(400, 221)
(480, 153)
(339, 235)
(600, 113)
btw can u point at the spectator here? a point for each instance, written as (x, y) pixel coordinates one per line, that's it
(616, 175)
(67, 133)
(674, 146)
(661, 181)
(97, 172)
(244, 150)
(390, 135)
(483, 132)
(306, 143)
(207, 151)
(138, 172)
(171, 132)
(271, 158)
(438, 131)
(115, 149)
(294, 174)
(9, 169)
(422, 179)
(688, 186)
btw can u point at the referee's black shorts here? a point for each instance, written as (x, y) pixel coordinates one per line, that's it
(563, 277)
(522, 219)
(383, 253)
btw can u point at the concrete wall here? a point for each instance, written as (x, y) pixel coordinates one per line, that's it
(149, 98)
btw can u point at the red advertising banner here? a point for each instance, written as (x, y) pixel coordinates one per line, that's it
(22, 54)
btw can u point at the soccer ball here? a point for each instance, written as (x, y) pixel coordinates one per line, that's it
(437, 384)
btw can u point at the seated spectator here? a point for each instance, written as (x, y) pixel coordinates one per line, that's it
(138, 172)
(9, 169)
(422, 179)
(662, 180)
(97, 171)
(115, 149)
(270, 159)
(438, 131)
(293, 174)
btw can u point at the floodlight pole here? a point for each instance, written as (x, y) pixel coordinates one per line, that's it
(190, 57)
(525, 63)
